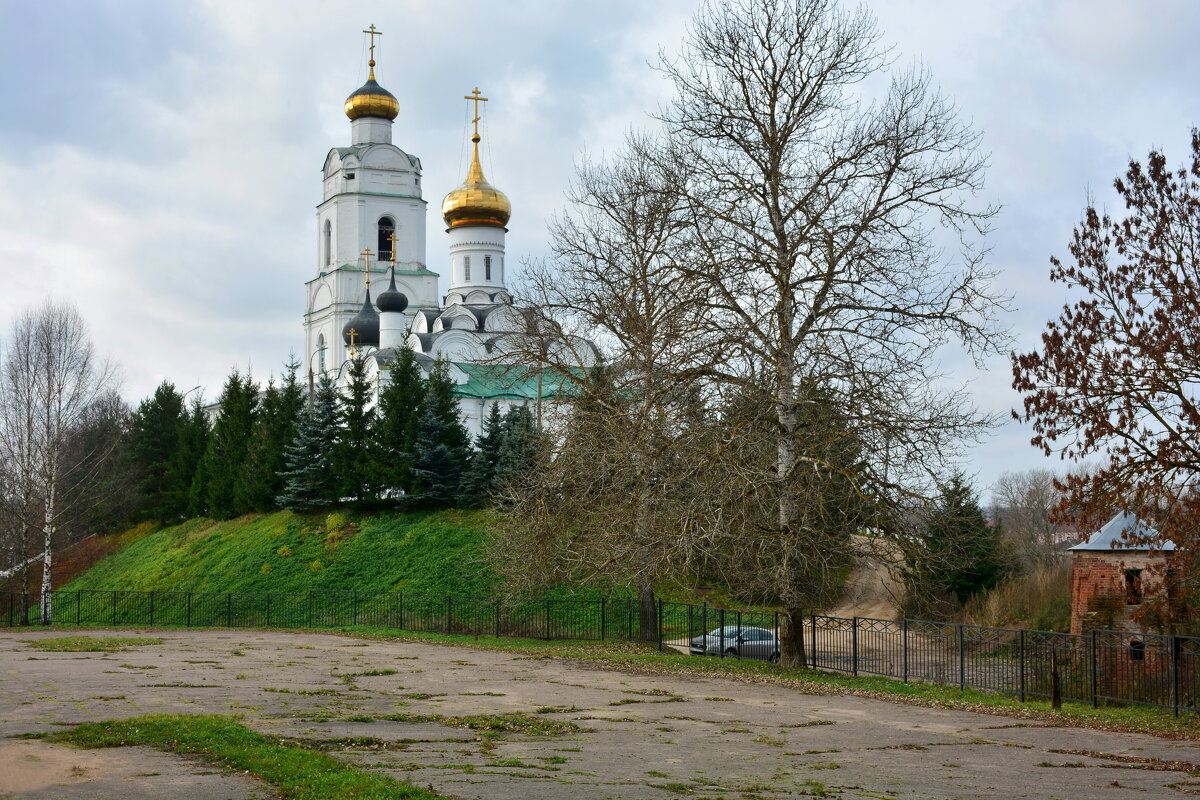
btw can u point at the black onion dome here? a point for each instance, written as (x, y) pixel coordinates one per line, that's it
(392, 299)
(365, 325)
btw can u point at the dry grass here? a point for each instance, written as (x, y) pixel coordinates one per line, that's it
(1040, 600)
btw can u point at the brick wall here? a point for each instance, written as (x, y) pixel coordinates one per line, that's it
(1095, 574)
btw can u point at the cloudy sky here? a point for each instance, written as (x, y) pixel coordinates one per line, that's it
(159, 161)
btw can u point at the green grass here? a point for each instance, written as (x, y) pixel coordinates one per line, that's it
(91, 644)
(419, 552)
(297, 773)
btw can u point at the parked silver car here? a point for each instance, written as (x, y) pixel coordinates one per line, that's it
(744, 642)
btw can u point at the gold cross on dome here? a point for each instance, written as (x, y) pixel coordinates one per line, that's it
(372, 32)
(392, 239)
(475, 97)
(366, 253)
(353, 333)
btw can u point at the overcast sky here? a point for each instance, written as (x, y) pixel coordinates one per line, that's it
(160, 161)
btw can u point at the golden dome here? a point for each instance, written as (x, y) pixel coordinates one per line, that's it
(372, 100)
(476, 202)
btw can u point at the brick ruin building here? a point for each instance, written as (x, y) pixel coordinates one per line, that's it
(1113, 574)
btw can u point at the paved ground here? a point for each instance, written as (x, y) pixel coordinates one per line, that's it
(646, 737)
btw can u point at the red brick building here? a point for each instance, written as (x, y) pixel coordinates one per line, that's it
(1114, 572)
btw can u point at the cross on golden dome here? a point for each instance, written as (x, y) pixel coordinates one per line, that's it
(477, 99)
(372, 32)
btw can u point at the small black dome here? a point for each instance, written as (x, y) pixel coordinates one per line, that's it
(392, 299)
(365, 325)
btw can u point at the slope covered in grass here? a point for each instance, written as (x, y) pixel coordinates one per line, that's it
(418, 552)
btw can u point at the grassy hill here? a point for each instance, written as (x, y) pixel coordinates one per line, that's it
(418, 552)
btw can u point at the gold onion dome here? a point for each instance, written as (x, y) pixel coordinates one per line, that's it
(476, 202)
(372, 100)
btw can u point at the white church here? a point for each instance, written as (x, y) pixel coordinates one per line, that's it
(373, 290)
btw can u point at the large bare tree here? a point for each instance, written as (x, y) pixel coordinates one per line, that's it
(50, 383)
(612, 497)
(834, 228)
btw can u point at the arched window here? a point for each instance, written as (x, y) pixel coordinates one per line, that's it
(487, 268)
(387, 227)
(321, 352)
(328, 242)
(466, 268)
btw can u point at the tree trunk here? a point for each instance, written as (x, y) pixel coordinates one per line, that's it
(647, 614)
(791, 636)
(48, 553)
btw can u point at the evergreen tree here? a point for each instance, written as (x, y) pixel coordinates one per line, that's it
(309, 479)
(518, 447)
(441, 449)
(395, 432)
(274, 429)
(480, 477)
(352, 456)
(962, 550)
(153, 444)
(228, 446)
(185, 466)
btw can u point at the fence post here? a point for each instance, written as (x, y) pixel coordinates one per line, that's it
(496, 606)
(548, 619)
(603, 618)
(1175, 653)
(777, 637)
(962, 661)
(740, 635)
(189, 609)
(229, 609)
(1022, 663)
(1095, 688)
(904, 642)
(354, 607)
(660, 624)
(268, 609)
(151, 608)
(690, 626)
(722, 634)
(114, 609)
(310, 608)
(78, 609)
(449, 613)
(812, 618)
(854, 646)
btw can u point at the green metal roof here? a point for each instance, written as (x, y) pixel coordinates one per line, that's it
(513, 381)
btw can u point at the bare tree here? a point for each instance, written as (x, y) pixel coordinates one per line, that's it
(50, 380)
(610, 500)
(814, 220)
(1022, 503)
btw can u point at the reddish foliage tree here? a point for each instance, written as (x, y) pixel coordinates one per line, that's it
(1118, 373)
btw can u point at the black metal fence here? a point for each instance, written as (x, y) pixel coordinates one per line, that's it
(1108, 666)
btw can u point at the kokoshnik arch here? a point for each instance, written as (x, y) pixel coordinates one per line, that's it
(371, 230)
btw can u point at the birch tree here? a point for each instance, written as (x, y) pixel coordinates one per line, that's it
(51, 377)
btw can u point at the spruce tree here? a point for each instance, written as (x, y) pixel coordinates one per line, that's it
(480, 477)
(309, 479)
(228, 445)
(153, 442)
(962, 550)
(352, 456)
(184, 467)
(519, 445)
(274, 429)
(401, 403)
(440, 452)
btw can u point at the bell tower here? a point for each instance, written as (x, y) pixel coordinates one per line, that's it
(371, 204)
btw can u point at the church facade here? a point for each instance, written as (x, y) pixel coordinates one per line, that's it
(371, 236)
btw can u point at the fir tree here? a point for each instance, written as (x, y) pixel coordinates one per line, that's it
(480, 477)
(309, 479)
(352, 456)
(228, 445)
(440, 452)
(184, 467)
(963, 551)
(518, 447)
(274, 429)
(395, 433)
(153, 443)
